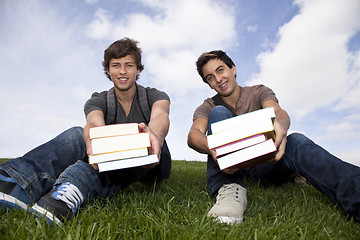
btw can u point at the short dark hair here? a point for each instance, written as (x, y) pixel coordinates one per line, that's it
(122, 48)
(207, 56)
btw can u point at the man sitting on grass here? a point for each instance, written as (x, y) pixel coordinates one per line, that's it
(338, 180)
(54, 179)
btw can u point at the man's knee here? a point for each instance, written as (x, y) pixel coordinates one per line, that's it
(297, 138)
(74, 133)
(76, 130)
(219, 113)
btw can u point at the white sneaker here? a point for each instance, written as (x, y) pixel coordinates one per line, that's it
(230, 204)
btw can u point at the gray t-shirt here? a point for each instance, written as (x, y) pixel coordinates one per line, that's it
(98, 102)
(251, 99)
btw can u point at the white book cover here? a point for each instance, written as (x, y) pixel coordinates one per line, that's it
(113, 130)
(243, 143)
(128, 163)
(246, 154)
(120, 143)
(242, 119)
(118, 155)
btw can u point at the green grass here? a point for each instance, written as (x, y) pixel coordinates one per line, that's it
(176, 209)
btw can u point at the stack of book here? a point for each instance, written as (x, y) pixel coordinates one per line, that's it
(120, 146)
(245, 140)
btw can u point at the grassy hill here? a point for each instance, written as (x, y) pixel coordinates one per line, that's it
(176, 209)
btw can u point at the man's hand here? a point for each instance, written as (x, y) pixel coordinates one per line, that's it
(155, 143)
(281, 125)
(89, 152)
(94, 119)
(95, 166)
(230, 170)
(280, 141)
(197, 140)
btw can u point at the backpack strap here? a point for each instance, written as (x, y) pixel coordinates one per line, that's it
(111, 105)
(219, 101)
(144, 103)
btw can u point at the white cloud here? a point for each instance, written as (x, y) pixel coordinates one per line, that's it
(101, 26)
(309, 64)
(46, 71)
(172, 39)
(315, 76)
(351, 99)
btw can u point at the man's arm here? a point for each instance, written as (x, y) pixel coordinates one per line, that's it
(159, 119)
(93, 119)
(158, 126)
(197, 140)
(281, 126)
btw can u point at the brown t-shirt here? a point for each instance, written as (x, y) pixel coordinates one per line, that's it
(251, 99)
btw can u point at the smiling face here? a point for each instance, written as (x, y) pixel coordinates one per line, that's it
(123, 72)
(220, 77)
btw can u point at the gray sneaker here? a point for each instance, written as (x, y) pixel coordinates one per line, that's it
(230, 204)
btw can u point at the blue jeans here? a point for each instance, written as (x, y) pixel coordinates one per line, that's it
(64, 159)
(338, 180)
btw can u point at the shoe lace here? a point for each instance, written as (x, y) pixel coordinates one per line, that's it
(229, 190)
(69, 194)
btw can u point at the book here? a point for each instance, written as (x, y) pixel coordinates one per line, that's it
(232, 134)
(127, 163)
(118, 155)
(113, 130)
(120, 143)
(250, 156)
(243, 119)
(240, 144)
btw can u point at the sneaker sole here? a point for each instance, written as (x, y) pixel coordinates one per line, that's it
(10, 202)
(229, 220)
(42, 212)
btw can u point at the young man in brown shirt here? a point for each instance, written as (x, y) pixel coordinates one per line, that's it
(338, 180)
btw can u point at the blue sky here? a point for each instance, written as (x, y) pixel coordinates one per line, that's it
(307, 51)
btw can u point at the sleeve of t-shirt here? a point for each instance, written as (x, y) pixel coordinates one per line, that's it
(204, 110)
(265, 93)
(155, 95)
(96, 102)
